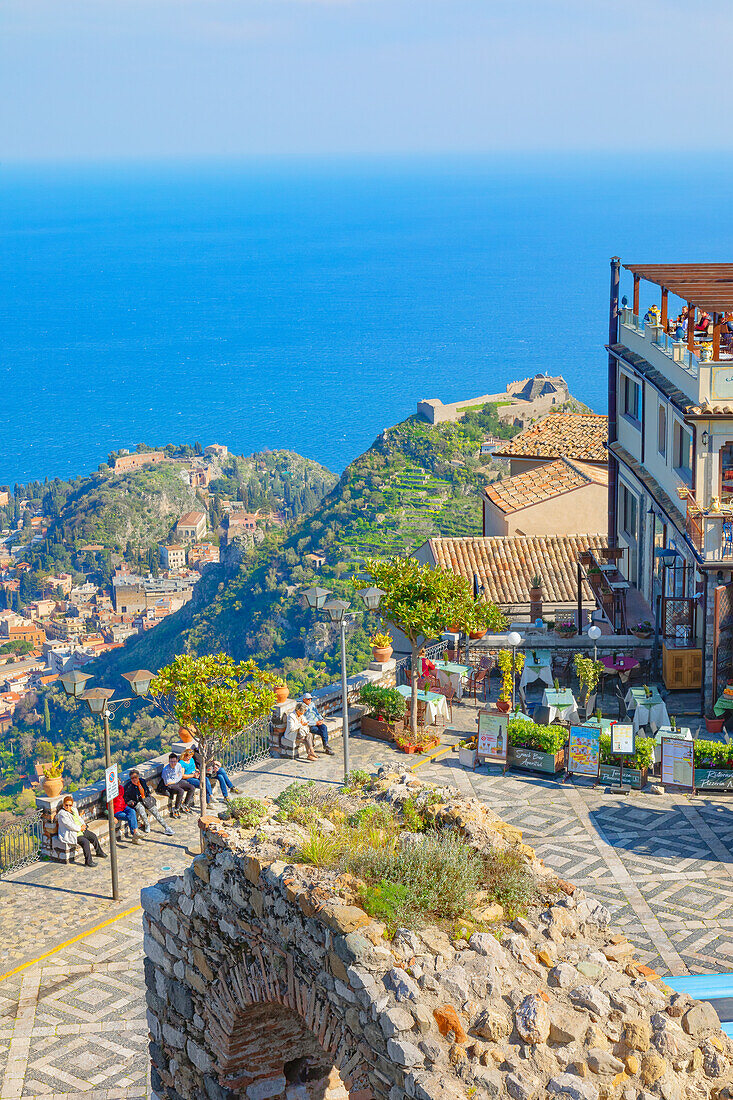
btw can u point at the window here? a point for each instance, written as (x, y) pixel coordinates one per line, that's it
(631, 398)
(682, 451)
(662, 430)
(629, 512)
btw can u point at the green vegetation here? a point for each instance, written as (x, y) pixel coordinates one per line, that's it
(713, 754)
(642, 758)
(247, 812)
(385, 704)
(530, 735)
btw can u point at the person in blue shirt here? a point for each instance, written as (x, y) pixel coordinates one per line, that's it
(316, 722)
(191, 773)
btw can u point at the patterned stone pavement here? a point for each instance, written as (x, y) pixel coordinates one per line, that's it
(73, 1024)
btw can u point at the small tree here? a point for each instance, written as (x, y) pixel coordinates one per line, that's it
(423, 603)
(215, 698)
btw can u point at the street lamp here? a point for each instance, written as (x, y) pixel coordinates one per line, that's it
(99, 701)
(319, 599)
(594, 633)
(514, 639)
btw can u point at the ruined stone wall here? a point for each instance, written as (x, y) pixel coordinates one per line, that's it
(265, 980)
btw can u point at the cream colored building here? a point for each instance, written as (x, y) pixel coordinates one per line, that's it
(556, 498)
(173, 557)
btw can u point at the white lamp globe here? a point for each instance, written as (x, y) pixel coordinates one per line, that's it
(514, 639)
(594, 632)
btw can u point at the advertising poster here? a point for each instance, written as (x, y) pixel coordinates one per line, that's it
(492, 736)
(622, 740)
(678, 761)
(584, 751)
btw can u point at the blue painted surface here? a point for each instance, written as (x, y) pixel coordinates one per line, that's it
(708, 987)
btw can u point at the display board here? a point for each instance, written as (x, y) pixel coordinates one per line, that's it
(678, 763)
(622, 739)
(111, 783)
(584, 751)
(493, 736)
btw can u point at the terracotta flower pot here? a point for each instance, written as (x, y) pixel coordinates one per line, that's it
(503, 705)
(477, 634)
(380, 654)
(185, 735)
(281, 693)
(53, 785)
(714, 725)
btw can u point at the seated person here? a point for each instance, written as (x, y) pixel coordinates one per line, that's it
(215, 773)
(427, 666)
(299, 731)
(175, 783)
(192, 771)
(316, 722)
(702, 323)
(140, 797)
(123, 812)
(73, 830)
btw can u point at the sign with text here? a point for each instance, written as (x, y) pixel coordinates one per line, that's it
(622, 739)
(584, 750)
(493, 737)
(678, 763)
(112, 783)
(722, 383)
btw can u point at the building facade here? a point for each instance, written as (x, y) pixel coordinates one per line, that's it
(670, 501)
(191, 527)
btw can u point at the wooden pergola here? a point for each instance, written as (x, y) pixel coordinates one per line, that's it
(703, 286)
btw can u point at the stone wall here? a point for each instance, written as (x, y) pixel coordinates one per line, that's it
(265, 980)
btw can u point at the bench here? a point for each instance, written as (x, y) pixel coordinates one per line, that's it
(335, 727)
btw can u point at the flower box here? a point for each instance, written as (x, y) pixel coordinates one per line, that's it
(468, 757)
(382, 731)
(427, 747)
(714, 779)
(632, 777)
(534, 760)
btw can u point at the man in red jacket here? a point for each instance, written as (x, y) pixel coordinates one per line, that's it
(123, 812)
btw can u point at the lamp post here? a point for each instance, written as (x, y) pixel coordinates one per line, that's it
(594, 633)
(320, 599)
(99, 701)
(514, 640)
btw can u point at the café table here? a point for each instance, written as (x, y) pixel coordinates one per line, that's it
(604, 724)
(537, 666)
(561, 704)
(724, 703)
(454, 674)
(435, 704)
(648, 710)
(619, 665)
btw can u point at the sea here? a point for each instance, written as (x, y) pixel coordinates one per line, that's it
(310, 304)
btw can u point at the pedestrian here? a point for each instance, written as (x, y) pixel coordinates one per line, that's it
(175, 783)
(143, 801)
(192, 772)
(73, 830)
(215, 772)
(316, 722)
(123, 812)
(299, 731)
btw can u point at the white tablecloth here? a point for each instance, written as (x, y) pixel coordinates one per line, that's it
(455, 679)
(567, 713)
(683, 734)
(434, 707)
(653, 714)
(532, 672)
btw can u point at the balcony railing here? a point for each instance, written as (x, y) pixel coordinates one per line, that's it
(676, 350)
(710, 532)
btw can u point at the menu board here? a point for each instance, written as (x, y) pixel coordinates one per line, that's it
(678, 767)
(584, 750)
(622, 739)
(493, 739)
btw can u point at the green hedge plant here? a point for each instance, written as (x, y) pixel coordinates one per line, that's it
(641, 759)
(713, 754)
(529, 735)
(383, 703)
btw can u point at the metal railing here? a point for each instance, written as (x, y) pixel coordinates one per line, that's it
(676, 350)
(20, 843)
(248, 746)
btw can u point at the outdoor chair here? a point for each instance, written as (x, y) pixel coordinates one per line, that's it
(590, 706)
(541, 715)
(561, 667)
(446, 690)
(477, 679)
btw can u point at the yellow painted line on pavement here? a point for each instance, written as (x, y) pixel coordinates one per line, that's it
(67, 943)
(429, 759)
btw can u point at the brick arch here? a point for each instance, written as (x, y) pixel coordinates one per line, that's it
(268, 1029)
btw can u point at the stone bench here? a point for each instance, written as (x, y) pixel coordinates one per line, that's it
(282, 743)
(55, 849)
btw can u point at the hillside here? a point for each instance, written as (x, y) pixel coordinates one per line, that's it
(415, 480)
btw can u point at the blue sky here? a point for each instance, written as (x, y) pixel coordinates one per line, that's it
(95, 79)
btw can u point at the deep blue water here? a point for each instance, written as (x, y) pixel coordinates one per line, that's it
(310, 305)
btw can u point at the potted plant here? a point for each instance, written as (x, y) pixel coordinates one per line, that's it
(713, 724)
(185, 735)
(381, 644)
(508, 670)
(643, 629)
(478, 619)
(468, 752)
(419, 742)
(385, 711)
(565, 628)
(635, 768)
(281, 690)
(535, 747)
(53, 777)
(588, 672)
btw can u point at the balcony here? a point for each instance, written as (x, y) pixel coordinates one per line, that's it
(671, 357)
(709, 531)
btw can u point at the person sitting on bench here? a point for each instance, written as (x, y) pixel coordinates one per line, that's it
(175, 784)
(73, 830)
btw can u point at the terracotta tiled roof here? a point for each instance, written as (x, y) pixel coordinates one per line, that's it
(505, 566)
(561, 435)
(543, 483)
(190, 519)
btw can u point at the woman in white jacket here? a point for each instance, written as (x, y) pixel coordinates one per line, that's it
(72, 830)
